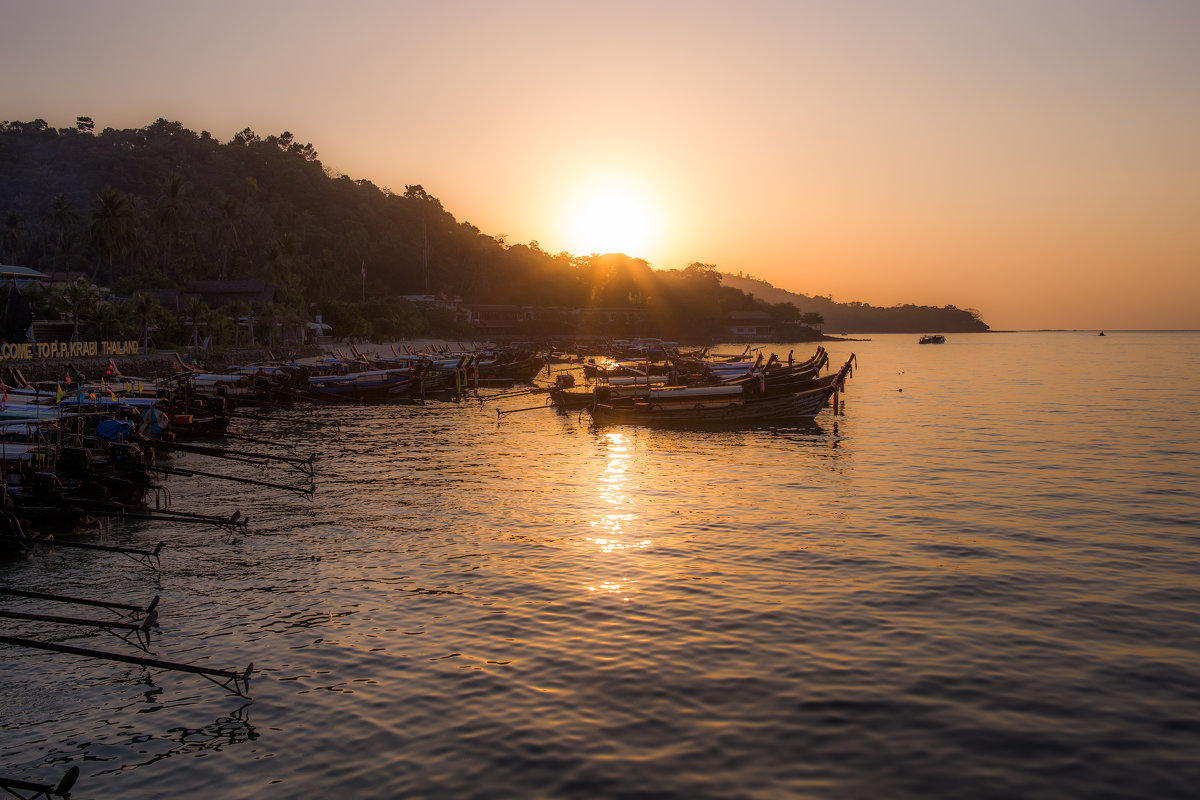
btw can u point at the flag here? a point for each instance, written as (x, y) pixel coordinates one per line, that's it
(364, 270)
(58, 394)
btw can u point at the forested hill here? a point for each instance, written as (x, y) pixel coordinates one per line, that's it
(864, 318)
(155, 207)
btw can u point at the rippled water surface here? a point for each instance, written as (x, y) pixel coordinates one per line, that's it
(982, 581)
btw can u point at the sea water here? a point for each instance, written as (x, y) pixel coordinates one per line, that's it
(982, 580)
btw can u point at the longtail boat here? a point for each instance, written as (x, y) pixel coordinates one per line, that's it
(720, 405)
(378, 384)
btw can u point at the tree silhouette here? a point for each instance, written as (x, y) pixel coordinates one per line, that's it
(169, 216)
(196, 313)
(14, 237)
(144, 310)
(229, 214)
(111, 320)
(266, 207)
(238, 311)
(79, 299)
(111, 230)
(61, 219)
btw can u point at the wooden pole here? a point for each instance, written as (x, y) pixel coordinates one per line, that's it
(236, 682)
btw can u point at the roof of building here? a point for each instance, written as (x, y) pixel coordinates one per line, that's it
(227, 287)
(217, 293)
(7, 271)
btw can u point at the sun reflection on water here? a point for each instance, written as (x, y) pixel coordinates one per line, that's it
(616, 516)
(612, 481)
(608, 587)
(613, 545)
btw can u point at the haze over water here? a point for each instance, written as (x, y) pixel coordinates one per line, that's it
(981, 581)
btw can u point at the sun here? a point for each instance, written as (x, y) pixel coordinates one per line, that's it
(611, 217)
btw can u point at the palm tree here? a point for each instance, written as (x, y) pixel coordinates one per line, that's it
(72, 249)
(111, 229)
(78, 299)
(110, 318)
(220, 328)
(238, 311)
(322, 277)
(228, 216)
(197, 313)
(61, 219)
(273, 316)
(14, 237)
(145, 311)
(284, 258)
(169, 216)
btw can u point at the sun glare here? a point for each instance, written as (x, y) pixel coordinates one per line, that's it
(611, 218)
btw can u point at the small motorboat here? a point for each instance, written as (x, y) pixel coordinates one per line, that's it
(935, 338)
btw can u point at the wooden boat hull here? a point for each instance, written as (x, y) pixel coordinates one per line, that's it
(359, 388)
(520, 371)
(798, 405)
(567, 398)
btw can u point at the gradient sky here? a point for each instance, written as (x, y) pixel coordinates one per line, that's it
(1038, 161)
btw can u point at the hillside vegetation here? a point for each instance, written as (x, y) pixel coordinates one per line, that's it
(864, 318)
(155, 207)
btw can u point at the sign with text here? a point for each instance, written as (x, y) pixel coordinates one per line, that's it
(27, 351)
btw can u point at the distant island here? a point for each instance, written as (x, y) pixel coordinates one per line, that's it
(863, 318)
(167, 230)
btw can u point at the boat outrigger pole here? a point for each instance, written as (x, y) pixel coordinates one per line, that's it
(234, 523)
(306, 492)
(236, 682)
(134, 610)
(517, 393)
(303, 464)
(501, 413)
(148, 557)
(134, 633)
(61, 789)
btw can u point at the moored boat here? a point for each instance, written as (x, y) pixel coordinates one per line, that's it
(359, 386)
(720, 404)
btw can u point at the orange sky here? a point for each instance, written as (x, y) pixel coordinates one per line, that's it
(1038, 161)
